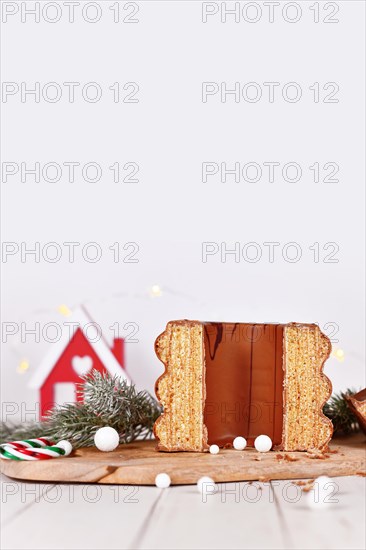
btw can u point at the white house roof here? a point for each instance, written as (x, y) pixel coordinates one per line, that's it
(99, 346)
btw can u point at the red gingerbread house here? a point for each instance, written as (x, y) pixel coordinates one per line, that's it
(81, 348)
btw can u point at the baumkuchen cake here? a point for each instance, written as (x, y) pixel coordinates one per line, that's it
(224, 380)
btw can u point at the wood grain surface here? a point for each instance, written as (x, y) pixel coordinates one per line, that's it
(138, 463)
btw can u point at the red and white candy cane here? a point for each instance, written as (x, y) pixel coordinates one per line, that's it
(34, 449)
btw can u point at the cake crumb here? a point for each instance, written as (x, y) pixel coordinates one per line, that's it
(308, 488)
(362, 474)
(316, 455)
(290, 458)
(287, 457)
(264, 479)
(307, 485)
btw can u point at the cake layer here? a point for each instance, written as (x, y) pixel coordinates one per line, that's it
(244, 381)
(306, 388)
(181, 389)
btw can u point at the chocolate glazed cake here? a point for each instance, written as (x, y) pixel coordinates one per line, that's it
(357, 404)
(224, 380)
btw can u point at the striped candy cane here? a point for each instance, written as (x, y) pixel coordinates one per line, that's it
(34, 449)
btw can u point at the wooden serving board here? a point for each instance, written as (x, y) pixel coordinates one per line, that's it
(138, 463)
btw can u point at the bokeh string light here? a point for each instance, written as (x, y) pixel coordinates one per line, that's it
(338, 353)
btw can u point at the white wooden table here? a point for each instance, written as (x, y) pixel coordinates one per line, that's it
(262, 515)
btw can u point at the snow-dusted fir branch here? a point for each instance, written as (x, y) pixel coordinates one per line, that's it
(107, 401)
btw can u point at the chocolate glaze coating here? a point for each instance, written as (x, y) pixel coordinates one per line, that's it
(244, 381)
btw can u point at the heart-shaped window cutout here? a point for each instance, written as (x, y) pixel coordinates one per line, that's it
(81, 365)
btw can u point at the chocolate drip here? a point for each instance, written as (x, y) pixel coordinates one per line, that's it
(234, 329)
(218, 339)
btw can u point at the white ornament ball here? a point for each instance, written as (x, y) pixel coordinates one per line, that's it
(239, 443)
(162, 481)
(66, 446)
(263, 443)
(322, 493)
(106, 439)
(214, 449)
(203, 481)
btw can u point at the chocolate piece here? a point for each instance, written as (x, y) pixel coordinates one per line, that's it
(357, 404)
(222, 380)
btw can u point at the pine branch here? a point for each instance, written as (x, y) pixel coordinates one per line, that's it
(337, 409)
(107, 401)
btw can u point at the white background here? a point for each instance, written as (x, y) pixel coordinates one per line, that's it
(169, 133)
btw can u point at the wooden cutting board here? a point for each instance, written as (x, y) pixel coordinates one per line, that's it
(138, 463)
